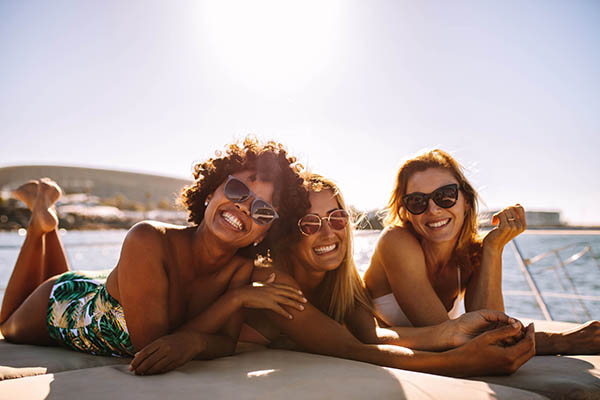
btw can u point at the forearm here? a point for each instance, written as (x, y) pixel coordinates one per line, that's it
(214, 346)
(446, 363)
(432, 338)
(486, 289)
(215, 317)
(550, 343)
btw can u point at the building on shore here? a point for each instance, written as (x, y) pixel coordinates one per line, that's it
(535, 219)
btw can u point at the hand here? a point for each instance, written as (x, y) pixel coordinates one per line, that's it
(166, 353)
(510, 223)
(473, 324)
(488, 355)
(583, 339)
(270, 296)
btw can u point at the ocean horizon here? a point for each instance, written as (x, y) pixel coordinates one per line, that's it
(99, 250)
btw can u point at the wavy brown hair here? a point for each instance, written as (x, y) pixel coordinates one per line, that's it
(468, 246)
(342, 289)
(271, 163)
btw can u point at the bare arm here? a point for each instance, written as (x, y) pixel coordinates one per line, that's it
(447, 335)
(143, 285)
(214, 332)
(364, 326)
(317, 333)
(402, 258)
(485, 286)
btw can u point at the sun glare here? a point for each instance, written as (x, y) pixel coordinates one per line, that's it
(271, 44)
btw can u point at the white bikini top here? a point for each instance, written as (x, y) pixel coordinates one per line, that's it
(389, 311)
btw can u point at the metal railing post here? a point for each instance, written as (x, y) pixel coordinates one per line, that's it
(531, 281)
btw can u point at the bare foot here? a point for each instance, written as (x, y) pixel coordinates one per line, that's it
(27, 192)
(43, 215)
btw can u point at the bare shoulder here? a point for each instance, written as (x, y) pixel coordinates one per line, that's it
(395, 239)
(281, 276)
(144, 241)
(153, 230)
(146, 230)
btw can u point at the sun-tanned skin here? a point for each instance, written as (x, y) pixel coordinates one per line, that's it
(420, 267)
(171, 281)
(482, 343)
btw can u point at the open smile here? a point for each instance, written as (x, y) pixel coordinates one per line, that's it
(438, 224)
(232, 221)
(320, 250)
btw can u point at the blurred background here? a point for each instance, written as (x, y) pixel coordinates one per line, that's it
(352, 88)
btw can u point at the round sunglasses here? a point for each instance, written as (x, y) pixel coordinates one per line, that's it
(417, 203)
(261, 211)
(311, 223)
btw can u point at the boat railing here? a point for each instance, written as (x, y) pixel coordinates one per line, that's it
(569, 289)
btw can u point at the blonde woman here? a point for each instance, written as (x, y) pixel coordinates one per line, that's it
(337, 319)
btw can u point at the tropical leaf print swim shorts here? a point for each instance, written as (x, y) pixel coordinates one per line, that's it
(82, 315)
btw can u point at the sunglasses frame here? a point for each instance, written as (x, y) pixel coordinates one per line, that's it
(253, 205)
(328, 218)
(431, 195)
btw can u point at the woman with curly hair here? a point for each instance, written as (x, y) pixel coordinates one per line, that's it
(431, 254)
(177, 292)
(339, 321)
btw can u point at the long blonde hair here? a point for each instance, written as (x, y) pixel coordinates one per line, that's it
(469, 242)
(342, 289)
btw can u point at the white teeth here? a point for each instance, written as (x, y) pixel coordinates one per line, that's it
(233, 220)
(324, 249)
(438, 224)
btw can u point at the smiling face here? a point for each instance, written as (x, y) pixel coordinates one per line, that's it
(324, 250)
(436, 224)
(231, 221)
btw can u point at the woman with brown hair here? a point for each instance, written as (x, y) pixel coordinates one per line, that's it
(338, 318)
(177, 291)
(431, 254)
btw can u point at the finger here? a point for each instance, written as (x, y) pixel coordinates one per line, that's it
(495, 317)
(503, 333)
(279, 310)
(147, 364)
(291, 293)
(521, 212)
(285, 301)
(495, 219)
(159, 366)
(525, 348)
(287, 287)
(142, 355)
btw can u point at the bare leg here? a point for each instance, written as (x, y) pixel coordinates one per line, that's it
(55, 258)
(55, 262)
(29, 271)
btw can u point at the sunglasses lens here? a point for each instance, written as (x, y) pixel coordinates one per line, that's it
(415, 203)
(262, 212)
(446, 196)
(310, 224)
(236, 190)
(338, 219)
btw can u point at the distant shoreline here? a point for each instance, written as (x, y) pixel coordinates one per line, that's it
(567, 230)
(559, 230)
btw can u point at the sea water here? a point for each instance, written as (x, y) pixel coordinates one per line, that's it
(98, 250)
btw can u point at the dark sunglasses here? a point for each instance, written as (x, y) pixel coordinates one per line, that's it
(416, 203)
(311, 223)
(262, 212)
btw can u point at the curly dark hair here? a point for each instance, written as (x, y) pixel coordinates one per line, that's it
(271, 163)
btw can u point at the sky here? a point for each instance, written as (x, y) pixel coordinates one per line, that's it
(352, 88)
